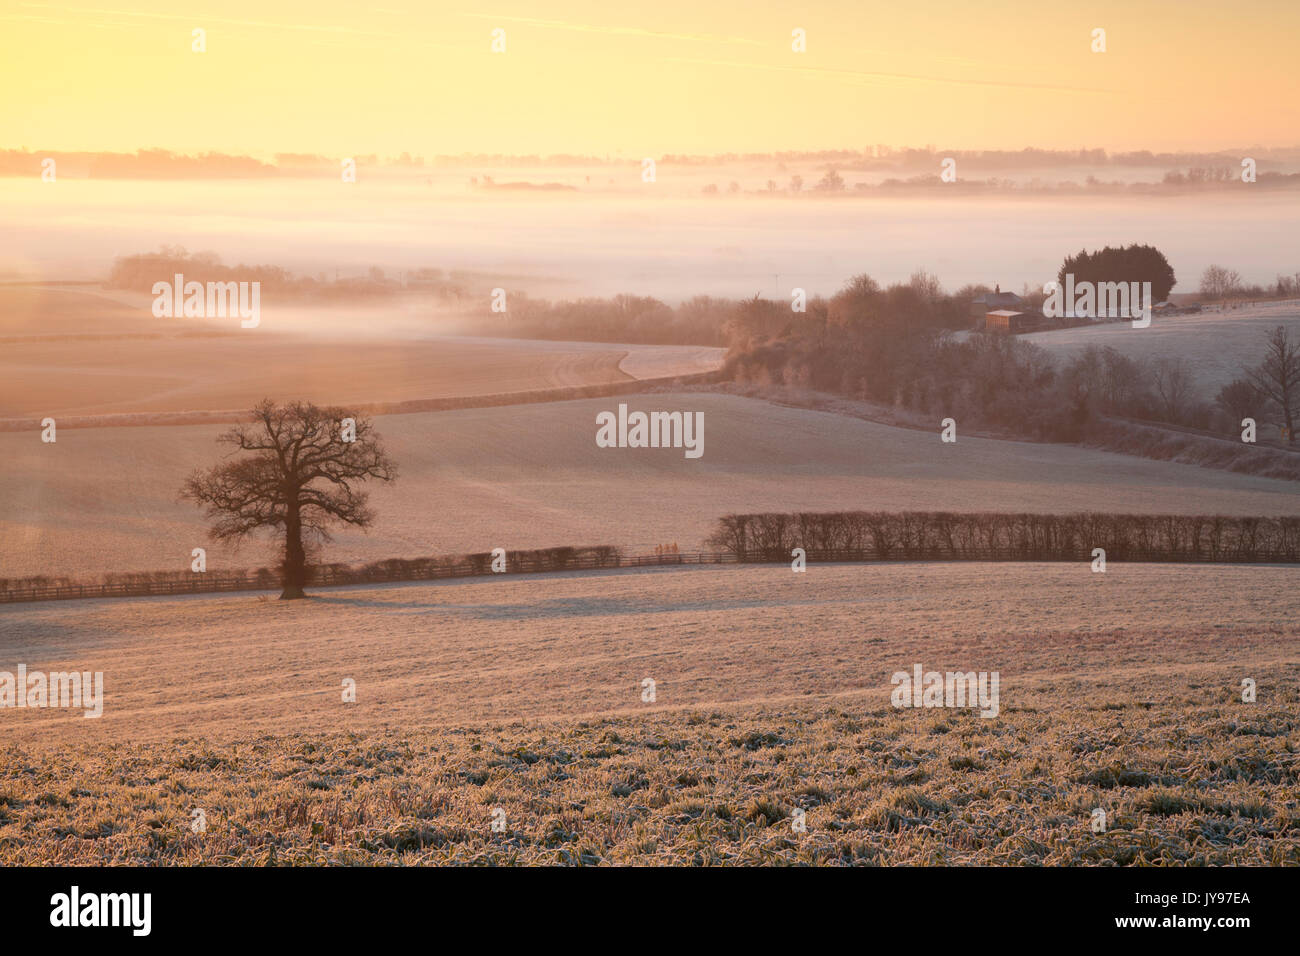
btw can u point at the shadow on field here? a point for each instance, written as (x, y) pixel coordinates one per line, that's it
(554, 608)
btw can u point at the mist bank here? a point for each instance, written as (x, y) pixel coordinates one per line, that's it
(666, 240)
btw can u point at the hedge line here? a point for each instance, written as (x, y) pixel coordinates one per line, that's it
(389, 569)
(976, 535)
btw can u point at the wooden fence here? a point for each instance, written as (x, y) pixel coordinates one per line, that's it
(334, 576)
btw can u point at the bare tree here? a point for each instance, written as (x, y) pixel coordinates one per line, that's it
(297, 478)
(832, 182)
(1218, 282)
(1240, 400)
(1172, 379)
(1121, 379)
(1277, 378)
(926, 285)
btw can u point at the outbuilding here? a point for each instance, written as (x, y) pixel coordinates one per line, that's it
(1006, 322)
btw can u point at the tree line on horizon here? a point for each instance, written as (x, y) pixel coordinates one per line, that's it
(139, 272)
(156, 162)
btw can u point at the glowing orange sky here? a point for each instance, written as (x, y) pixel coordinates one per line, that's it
(645, 78)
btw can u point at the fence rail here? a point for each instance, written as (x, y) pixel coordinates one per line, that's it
(527, 564)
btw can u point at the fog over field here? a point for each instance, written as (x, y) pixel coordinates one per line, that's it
(662, 239)
(88, 353)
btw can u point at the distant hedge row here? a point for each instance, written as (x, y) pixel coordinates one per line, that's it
(539, 559)
(390, 569)
(985, 535)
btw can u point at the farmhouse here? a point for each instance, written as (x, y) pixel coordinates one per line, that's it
(981, 305)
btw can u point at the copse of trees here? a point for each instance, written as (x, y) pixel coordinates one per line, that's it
(139, 272)
(1218, 282)
(942, 535)
(1222, 283)
(831, 182)
(1133, 263)
(894, 346)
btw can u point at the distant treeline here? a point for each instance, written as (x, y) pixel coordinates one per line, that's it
(879, 158)
(139, 273)
(833, 184)
(984, 535)
(142, 164)
(622, 318)
(702, 320)
(635, 319)
(1204, 169)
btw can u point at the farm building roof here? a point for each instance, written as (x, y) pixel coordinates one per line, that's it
(998, 298)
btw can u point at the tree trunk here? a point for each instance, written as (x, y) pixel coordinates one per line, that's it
(295, 557)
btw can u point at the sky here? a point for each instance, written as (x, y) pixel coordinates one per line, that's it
(645, 78)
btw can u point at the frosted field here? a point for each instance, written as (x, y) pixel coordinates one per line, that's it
(1217, 345)
(71, 353)
(562, 648)
(104, 499)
